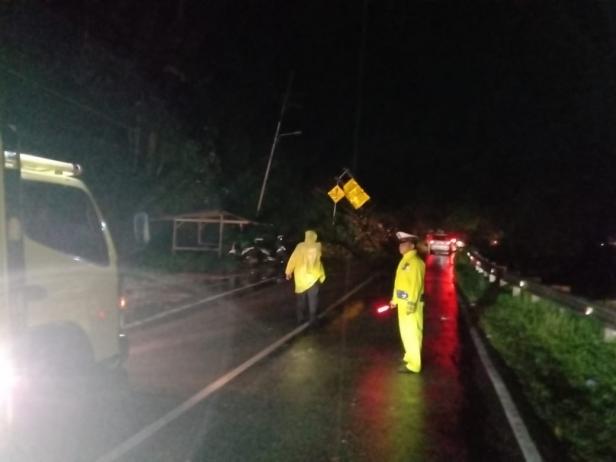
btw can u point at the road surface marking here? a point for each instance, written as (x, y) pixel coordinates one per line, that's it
(193, 401)
(520, 431)
(210, 298)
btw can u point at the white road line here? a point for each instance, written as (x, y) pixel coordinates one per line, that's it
(518, 427)
(172, 415)
(211, 298)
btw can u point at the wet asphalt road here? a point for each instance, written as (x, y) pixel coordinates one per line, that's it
(331, 394)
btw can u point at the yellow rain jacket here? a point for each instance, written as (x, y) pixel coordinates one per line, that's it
(305, 263)
(408, 296)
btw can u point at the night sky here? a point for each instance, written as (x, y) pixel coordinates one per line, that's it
(502, 107)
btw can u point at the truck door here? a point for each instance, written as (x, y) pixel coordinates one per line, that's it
(69, 255)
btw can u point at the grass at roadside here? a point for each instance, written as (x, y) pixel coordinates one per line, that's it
(470, 281)
(566, 370)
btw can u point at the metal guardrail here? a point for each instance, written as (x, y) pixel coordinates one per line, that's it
(578, 305)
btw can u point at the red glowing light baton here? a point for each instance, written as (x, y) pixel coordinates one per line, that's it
(382, 309)
(385, 308)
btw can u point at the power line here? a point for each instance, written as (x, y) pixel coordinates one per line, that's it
(56, 94)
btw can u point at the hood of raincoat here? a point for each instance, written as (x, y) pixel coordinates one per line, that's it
(310, 237)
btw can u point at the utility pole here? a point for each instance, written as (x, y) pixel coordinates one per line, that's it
(277, 136)
(360, 85)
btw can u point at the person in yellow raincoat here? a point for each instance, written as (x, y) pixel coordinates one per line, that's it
(408, 297)
(306, 267)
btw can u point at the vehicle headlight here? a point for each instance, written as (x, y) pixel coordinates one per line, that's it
(8, 383)
(8, 374)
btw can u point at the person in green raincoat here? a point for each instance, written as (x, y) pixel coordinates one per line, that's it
(408, 298)
(306, 268)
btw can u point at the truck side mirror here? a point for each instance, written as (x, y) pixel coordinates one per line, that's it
(141, 229)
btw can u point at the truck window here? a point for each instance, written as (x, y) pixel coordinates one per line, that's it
(63, 218)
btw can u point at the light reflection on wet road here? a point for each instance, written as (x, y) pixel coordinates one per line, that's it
(335, 393)
(332, 394)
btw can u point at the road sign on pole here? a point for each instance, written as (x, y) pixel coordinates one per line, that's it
(336, 194)
(355, 194)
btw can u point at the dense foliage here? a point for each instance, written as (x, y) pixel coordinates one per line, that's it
(565, 368)
(151, 135)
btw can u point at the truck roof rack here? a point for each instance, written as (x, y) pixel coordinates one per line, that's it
(41, 164)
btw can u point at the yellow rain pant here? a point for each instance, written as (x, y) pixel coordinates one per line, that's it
(411, 331)
(408, 296)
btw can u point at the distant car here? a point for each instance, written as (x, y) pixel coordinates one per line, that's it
(442, 243)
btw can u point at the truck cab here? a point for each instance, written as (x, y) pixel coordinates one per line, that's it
(70, 263)
(60, 283)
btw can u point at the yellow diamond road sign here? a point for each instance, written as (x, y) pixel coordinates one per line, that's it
(355, 194)
(336, 193)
